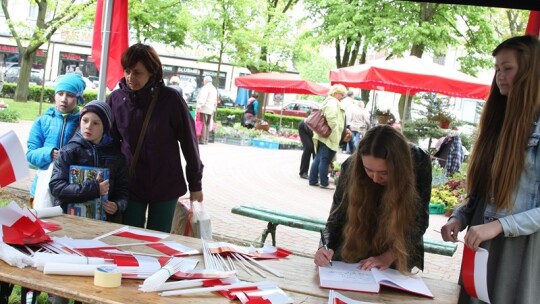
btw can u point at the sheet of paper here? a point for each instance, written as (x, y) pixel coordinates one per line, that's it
(335, 297)
(347, 276)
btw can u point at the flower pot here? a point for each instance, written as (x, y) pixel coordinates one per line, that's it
(444, 124)
(264, 127)
(383, 119)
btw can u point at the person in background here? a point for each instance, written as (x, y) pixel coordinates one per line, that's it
(92, 146)
(308, 151)
(157, 178)
(450, 152)
(380, 208)
(252, 109)
(78, 71)
(207, 106)
(359, 122)
(56, 126)
(347, 104)
(503, 208)
(175, 84)
(326, 148)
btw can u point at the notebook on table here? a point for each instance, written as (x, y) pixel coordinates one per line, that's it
(346, 276)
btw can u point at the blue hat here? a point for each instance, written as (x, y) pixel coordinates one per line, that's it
(72, 83)
(103, 110)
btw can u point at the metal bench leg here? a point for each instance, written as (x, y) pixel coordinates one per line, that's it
(5, 291)
(24, 293)
(270, 228)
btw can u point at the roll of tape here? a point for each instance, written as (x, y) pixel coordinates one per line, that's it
(107, 276)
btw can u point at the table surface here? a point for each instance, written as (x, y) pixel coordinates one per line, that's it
(300, 280)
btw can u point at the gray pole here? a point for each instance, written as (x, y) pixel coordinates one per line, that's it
(105, 37)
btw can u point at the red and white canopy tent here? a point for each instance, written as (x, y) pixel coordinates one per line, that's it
(410, 75)
(285, 83)
(280, 83)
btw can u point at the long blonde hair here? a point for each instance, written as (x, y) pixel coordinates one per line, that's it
(506, 123)
(380, 217)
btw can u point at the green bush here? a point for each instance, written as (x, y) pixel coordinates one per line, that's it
(9, 115)
(290, 122)
(34, 93)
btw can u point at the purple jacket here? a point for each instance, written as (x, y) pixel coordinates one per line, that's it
(158, 174)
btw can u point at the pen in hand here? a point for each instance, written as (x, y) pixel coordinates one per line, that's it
(323, 240)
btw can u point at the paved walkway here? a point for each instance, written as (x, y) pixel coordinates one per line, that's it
(237, 175)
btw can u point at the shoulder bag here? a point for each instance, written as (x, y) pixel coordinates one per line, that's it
(317, 122)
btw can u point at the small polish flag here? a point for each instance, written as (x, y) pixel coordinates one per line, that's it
(474, 273)
(13, 166)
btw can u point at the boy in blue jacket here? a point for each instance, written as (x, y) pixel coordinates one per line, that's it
(54, 129)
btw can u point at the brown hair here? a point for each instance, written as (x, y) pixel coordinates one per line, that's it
(147, 55)
(505, 126)
(380, 217)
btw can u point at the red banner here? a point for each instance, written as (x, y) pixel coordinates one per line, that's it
(118, 37)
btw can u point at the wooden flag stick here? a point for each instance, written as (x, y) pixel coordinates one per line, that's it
(209, 289)
(274, 272)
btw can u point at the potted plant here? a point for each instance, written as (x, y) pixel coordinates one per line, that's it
(336, 171)
(383, 116)
(443, 117)
(444, 197)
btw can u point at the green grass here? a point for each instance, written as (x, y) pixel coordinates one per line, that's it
(27, 110)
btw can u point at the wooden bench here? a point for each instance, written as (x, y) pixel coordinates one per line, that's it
(275, 218)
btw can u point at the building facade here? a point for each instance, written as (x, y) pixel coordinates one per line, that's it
(70, 50)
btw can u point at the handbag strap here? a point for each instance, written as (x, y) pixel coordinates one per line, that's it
(143, 132)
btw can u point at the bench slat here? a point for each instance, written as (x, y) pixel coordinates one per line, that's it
(280, 219)
(312, 224)
(248, 209)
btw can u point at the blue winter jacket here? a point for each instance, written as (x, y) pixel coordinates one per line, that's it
(50, 131)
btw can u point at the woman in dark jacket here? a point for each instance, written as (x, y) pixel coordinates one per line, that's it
(380, 209)
(94, 148)
(157, 179)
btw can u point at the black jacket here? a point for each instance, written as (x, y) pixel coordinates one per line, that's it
(338, 212)
(83, 153)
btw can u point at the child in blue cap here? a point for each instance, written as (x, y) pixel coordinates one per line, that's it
(56, 126)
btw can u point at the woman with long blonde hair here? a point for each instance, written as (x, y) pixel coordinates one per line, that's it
(503, 208)
(380, 208)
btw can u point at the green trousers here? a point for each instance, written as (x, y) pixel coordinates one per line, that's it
(160, 214)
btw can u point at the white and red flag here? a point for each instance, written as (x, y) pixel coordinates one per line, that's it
(474, 273)
(13, 165)
(20, 227)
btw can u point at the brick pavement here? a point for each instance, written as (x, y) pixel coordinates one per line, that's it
(246, 175)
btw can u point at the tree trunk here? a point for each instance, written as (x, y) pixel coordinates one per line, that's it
(427, 11)
(21, 92)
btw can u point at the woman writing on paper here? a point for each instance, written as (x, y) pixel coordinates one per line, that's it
(503, 208)
(380, 209)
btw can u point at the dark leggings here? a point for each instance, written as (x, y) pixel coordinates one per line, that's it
(160, 214)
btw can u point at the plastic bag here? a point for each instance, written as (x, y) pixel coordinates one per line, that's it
(181, 223)
(43, 197)
(198, 125)
(200, 222)
(190, 219)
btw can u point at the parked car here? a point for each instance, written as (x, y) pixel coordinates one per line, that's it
(224, 98)
(94, 80)
(299, 108)
(89, 84)
(12, 75)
